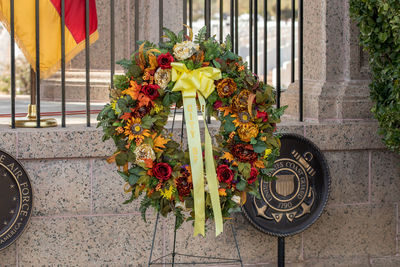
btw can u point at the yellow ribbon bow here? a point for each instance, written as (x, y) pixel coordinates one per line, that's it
(190, 82)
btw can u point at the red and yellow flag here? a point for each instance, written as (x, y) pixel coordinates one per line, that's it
(50, 30)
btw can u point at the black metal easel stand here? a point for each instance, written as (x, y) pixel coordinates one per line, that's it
(212, 260)
(281, 252)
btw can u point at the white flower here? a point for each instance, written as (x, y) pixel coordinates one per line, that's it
(181, 205)
(236, 199)
(206, 188)
(162, 77)
(185, 50)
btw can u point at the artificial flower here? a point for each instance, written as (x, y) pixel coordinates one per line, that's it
(144, 152)
(242, 118)
(162, 171)
(240, 101)
(236, 199)
(119, 130)
(226, 87)
(151, 91)
(262, 115)
(167, 193)
(133, 90)
(222, 192)
(185, 50)
(217, 104)
(267, 152)
(244, 153)
(157, 108)
(225, 174)
(141, 111)
(164, 61)
(162, 77)
(253, 175)
(134, 130)
(247, 131)
(184, 184)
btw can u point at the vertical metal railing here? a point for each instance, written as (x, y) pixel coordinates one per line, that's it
(12, 46)
(37, 33)
(63, 63)
(232, 10)
(87, 57)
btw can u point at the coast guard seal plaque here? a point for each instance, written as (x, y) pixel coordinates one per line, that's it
(296, 199)
(15, 199)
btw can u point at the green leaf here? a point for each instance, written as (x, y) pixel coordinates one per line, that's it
(229, 126)
(144, 205)
(147, 121)
(121, 159)
(260, 147)
(241, 186)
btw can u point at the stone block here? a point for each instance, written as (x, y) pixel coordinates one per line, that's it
(349, 176)
(60, 187)
(74, 141)
(8, 256)
(255, 247)
(108, 190)
(338, 262)
(352, 231)
(8, 140)
(87, 241)
(386, 261)
(345, 136)
(385, 176)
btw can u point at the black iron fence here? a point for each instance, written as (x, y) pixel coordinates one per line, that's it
(188, 6)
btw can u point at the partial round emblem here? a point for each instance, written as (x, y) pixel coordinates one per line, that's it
(15, 199)
(296, 199)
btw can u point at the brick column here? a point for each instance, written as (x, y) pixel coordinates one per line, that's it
(335, 68)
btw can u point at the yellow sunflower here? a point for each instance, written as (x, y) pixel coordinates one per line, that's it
(135, 131)
(242, 119)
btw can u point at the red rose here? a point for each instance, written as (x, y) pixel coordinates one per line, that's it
(262, 115)
(217, 104)
(151, 90)
(164, 60)
(253, 175)
(225, 174)
(162, 171)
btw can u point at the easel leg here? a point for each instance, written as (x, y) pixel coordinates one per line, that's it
(154, 237)
(174, 245)
(237, 246)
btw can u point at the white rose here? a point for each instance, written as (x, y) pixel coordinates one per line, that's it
(236, 199)
(185, 50)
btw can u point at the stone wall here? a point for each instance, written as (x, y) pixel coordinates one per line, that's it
(79, 220)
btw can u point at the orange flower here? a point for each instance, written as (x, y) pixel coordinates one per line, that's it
(248, 131)
(222, 192)
(133, 90)
(135, 131)
(226, 87)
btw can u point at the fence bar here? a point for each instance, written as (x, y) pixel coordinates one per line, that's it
(255, 70)
(191, 13)
(87, 54)
(221, 20)
(37, 64)
(251, 33)
(301, 24)
(265, 41)
(207, 16)
(136, 24)
(160, 18)
(112, 41)
(232, 22)
(293, 39)
(12, 46)
(184, 7)
(236, 26)
(62, 63)
(278, 53)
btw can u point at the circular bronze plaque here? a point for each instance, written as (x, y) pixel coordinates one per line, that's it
(15, 199)
(296, 199)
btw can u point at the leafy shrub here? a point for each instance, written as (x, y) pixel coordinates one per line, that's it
(379, 24)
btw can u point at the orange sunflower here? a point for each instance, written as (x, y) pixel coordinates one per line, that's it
(242, 119)
(135, 131)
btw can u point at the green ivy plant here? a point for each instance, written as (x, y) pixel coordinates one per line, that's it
(379, 24)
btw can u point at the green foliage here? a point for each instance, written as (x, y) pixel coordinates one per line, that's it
(379, 23)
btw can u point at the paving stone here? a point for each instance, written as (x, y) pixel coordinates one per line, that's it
(386, 262)
(8, 256)
(8, 141)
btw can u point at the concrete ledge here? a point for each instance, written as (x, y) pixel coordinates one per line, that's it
(83, 142)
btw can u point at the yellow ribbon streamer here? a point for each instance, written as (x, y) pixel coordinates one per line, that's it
(189, 82)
